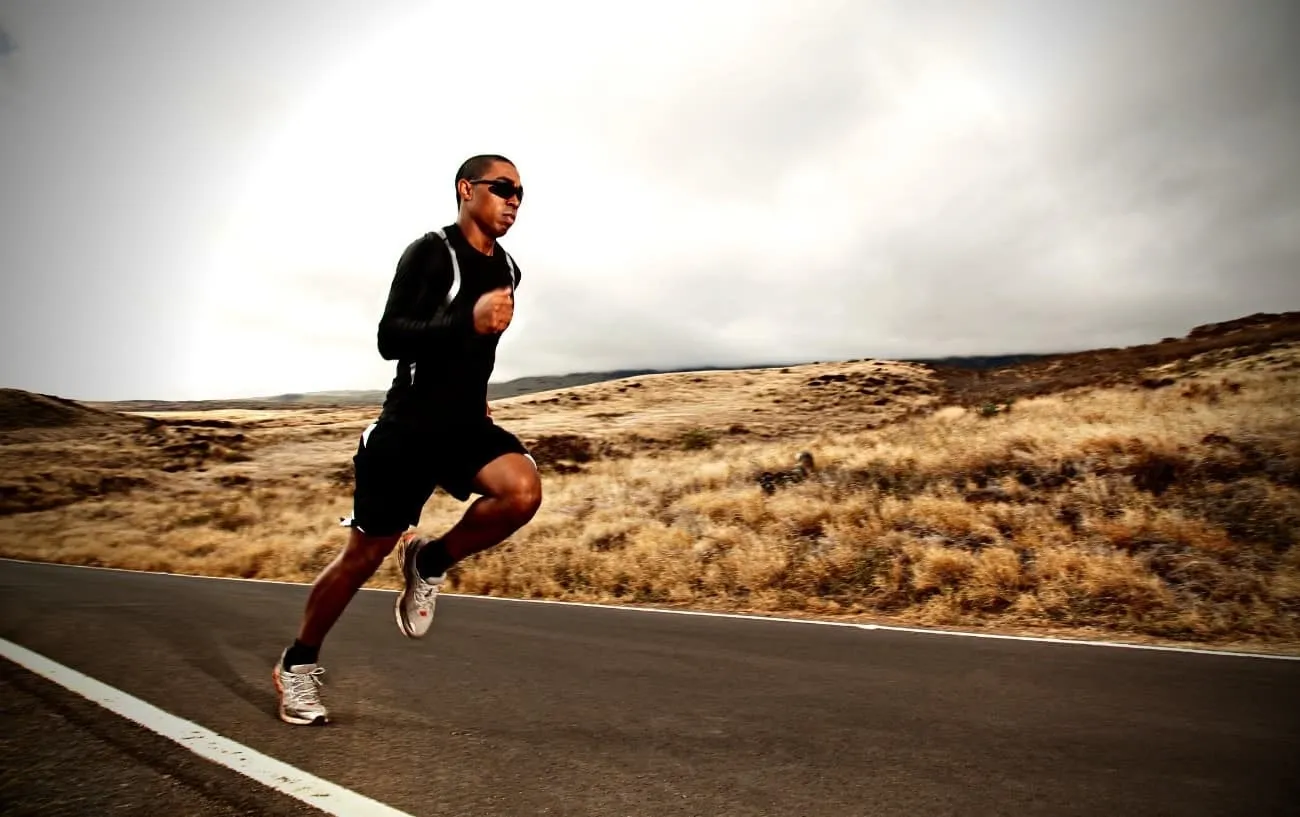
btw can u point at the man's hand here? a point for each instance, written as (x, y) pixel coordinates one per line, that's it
(494, 311)
(489, 409)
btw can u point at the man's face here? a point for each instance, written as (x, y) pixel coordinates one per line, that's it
(494, 198)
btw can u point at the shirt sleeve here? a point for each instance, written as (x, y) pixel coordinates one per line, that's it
(409, 330)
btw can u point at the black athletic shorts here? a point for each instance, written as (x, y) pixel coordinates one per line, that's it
(397, 469)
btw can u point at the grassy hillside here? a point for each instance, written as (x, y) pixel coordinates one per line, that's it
(1144, 493)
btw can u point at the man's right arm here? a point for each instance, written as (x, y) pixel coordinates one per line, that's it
(423, 274)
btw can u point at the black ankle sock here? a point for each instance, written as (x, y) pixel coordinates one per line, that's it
(300, 653)
(433, 559)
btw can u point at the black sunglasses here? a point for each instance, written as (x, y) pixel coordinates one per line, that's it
(502, 187)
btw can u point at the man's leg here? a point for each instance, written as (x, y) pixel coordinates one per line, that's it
(297, 672)
(337, 584)
(390, 489)
(510, 494)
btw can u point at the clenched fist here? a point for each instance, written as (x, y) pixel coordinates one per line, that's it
(494, 311)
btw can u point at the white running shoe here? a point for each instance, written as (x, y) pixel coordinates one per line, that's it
(299, 689)
(414, 605)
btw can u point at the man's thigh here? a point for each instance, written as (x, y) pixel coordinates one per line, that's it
(394, 479)
(473, 450)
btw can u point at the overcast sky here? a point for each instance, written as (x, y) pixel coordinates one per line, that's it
(207, 200)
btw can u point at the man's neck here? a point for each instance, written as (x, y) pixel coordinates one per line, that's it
(474, 234)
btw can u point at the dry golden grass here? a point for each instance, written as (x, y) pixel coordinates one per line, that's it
(1167, 513)
(765, 402)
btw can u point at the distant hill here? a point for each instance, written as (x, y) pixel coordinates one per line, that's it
(976, 362)
(496, 391)
(365, 397)
(26, 410)
(1047, 374)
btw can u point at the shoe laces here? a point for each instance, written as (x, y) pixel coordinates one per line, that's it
(425, 590)
(304, 687)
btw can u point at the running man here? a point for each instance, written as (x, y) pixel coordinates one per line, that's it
(451, 299)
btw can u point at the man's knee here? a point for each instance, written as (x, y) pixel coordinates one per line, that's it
(367, 552)
(512, 481)
(522, 493)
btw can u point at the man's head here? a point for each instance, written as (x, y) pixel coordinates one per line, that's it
(488, 191)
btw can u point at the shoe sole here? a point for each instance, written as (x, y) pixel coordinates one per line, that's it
(402, 623)
(319, 720)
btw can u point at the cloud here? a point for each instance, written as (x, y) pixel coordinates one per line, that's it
(710, 184)
(1042, 178)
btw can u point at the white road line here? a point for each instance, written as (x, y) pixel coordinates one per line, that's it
(1079, 642)
(268, 771)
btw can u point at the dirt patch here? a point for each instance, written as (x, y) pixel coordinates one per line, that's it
(562, 453)
(55, 489)
(96, 455)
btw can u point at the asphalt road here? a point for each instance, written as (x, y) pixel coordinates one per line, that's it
(528, 709)
(63, 755)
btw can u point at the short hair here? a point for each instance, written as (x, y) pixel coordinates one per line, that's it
(475, 166)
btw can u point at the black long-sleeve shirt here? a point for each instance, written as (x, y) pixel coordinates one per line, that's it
(443, 365)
